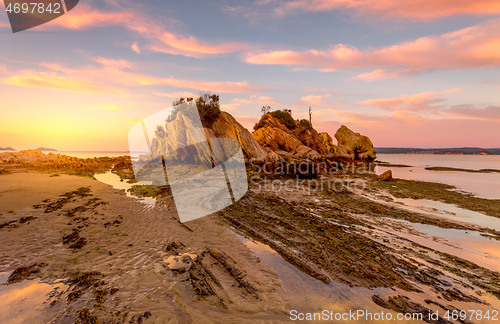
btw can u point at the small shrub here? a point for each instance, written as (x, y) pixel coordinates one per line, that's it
(305, 123)
(285, 118)
(208, 109)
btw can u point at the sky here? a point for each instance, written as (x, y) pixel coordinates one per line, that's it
(419, 73)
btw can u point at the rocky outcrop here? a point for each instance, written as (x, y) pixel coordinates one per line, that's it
(226, 126)
(298, 140)
(354, 145)
(178, 140)
(294, 143)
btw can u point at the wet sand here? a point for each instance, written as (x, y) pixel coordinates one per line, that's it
(21, 190)
(126, 245)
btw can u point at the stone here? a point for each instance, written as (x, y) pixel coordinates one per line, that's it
(386, 176)
(354, 145)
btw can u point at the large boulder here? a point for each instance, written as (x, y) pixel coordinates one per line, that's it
(386, 176)
(226, 126)
(354, 145)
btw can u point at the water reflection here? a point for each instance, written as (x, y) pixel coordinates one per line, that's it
(28, 301)
(306, 294)
(449, 211)
(115, 181)
(469, 245)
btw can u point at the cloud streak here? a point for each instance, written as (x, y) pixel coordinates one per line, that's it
(112, 77)
(414, 10)
(421, 102)
(236, 102)
(154, 33)
(476, 47)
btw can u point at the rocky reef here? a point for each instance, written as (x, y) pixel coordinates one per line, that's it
(57, 163)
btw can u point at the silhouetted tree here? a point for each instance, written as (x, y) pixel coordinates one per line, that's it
(208, 107)
(207, 104)
(265, 110)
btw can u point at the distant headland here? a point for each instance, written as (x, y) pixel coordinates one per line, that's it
(448, 151)
(6, 149)
(45, 149)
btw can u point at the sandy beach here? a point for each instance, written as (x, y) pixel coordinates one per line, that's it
(125, 250)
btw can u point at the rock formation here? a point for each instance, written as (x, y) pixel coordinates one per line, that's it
(226, 126)
(301, 141)
(353, 145)
(178, 140)
(36, 160)
(294, 143)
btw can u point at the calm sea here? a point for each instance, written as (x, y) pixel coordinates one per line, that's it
(91, 154)
(486, 185)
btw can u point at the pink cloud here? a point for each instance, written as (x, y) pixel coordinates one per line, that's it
(380, 74)
(115, 63)
(84, 16)
(135, 48)
(236, 102)
(165, 42)
(312, 100)
(393, 9)
(415, 131)
(111, 75)
(160, 40)
(476, 47)
(491, 113)
(54, 81)
(177, 95)
(423, 102)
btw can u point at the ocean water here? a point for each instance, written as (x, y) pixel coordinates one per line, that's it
(92, 154)
(485, 185)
